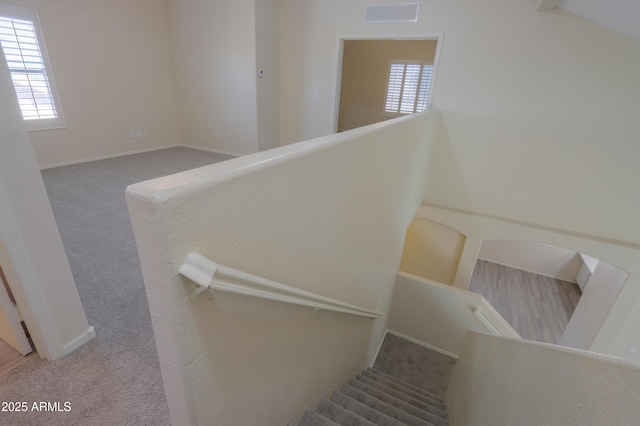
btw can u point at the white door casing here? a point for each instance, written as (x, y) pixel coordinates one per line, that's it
(11, 330)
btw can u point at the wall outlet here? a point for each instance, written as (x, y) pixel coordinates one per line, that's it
(260, 73)
(132, 134)
(139, 133)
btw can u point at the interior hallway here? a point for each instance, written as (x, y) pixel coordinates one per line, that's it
(537, 307)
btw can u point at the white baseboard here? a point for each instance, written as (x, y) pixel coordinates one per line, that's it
(216, 151)
(375, 356)
(423, 344)
(79, 341)
(106, 157)
(572, 280)
(141, 151)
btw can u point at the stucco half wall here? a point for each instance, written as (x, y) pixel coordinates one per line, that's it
(328, 216)
(499, 381)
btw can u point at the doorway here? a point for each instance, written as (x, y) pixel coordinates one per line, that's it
(546, 293)
(14, 341)
(381, 79)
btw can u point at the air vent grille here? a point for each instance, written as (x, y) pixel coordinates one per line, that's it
(396, 12)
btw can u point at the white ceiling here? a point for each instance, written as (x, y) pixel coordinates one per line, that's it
(622, 16)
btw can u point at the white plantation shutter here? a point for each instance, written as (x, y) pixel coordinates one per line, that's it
(28, 68)
(394, 87)
(424, 94)
(408, 87)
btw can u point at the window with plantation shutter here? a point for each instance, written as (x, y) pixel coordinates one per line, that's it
(26, 57)
(408, 87)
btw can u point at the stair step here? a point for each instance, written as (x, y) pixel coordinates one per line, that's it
(424, 403)
(436, 418)
(430, 399)
(405, 384)
(365, 411)
(386, 408)
(313, 418)
(341, 415)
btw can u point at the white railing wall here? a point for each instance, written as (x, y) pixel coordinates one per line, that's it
(439, 315)
(501, 381)
(327, 216)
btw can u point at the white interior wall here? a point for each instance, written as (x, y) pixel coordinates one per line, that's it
(596, 302)
(541, 259)
(522, 138)
(523, 144)
(31, 251)
(213, 49)
(500, 381)
(112, 68)
(438, 315)
(268, 60)
(273, 214)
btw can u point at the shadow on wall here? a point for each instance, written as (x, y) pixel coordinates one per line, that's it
(432, 251)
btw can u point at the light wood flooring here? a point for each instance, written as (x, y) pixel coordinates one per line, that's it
(9, 358)
(537, 307)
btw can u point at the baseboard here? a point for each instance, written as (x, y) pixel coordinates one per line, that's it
(215, 151)
(106, 157)
(79, 341)
(423, 344)
(573, 280)
(375, 356)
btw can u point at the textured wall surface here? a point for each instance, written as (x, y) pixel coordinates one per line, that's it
(327, 216)
(499, 381)
(30, 241)
(439, 315)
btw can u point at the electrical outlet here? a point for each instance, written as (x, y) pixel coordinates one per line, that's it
(132, 134)
(139, 133)
(260, 73)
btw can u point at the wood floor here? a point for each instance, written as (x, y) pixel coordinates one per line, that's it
(537, 307)
(9, 358)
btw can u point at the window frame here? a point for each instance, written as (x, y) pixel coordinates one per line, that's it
(15, 12)
(422, 64)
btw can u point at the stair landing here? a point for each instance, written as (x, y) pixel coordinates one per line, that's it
(415, 364)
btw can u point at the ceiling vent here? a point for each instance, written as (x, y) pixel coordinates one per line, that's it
(396, 12)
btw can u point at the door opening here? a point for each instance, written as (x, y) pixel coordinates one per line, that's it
(380, 79)
(14, 342)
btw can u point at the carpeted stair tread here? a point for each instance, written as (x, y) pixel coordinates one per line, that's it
(405, 384)
(386, 408)
(429, 405)
(341, 415)
(405, 406)
(312, 418)
(432, 399)
(363, 410)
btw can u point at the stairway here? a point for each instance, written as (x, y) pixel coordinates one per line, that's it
(376, 398)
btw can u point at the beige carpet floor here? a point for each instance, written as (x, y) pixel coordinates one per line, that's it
(114, 379)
